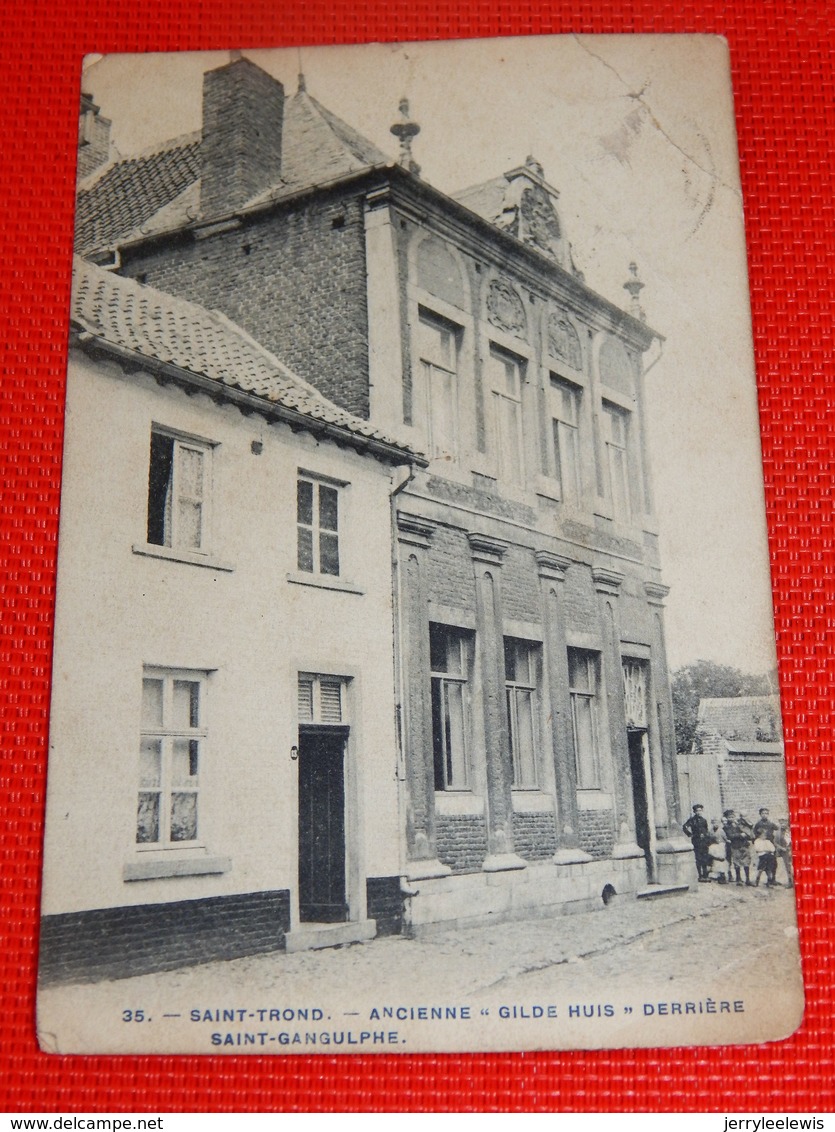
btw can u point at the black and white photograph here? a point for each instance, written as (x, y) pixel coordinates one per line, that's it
(414, 681)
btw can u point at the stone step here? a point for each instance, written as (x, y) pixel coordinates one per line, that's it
(310, 937)
(654, 891)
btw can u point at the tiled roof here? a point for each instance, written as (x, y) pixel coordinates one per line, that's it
(127, 194)
(740, 717)
(136, 318)
(127, 198)
(487, 199)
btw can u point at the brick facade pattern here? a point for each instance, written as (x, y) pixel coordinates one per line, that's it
(596, 832)
(749, 781)
(581, 608)
(449, 576)
(535, 836)
(115, 943)
(385, 904)
(461, 841)
(520, 592)
(290, 280)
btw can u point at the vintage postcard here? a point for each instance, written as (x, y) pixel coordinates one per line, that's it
(414, 681)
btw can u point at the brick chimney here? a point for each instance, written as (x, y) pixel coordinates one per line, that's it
(243, 117)
(93, 138)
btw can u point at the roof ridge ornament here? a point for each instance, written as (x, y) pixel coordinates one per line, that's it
(634, 286)
(405, 131)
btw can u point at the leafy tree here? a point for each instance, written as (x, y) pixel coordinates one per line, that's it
(708, 680)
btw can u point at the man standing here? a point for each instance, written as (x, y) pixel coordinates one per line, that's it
(698, 830)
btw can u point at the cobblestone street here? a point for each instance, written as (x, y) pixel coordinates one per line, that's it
(713, 940)
(626, 940)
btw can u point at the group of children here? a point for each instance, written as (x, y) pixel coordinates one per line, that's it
(727, 849)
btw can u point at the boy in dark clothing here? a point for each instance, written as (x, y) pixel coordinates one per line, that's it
(698, 830)
(739, 835)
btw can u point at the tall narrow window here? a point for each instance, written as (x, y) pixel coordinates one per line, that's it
(617, 457)
(565, 422)
(583, 679)
(450, 658)
(172, 736)
(521, 662)
(438, 346)
(178, 492)
(317, 518)
(505, 373)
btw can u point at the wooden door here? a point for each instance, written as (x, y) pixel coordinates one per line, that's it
(322, 825)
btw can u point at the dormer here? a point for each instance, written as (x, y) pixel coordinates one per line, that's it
(522, 203)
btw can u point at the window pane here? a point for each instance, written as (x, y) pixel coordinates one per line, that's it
(438, 648)
(570, 473)
(438, 744)
(189, 524)
(184, 817)
(508, 439)
(584, 737)
(455, 661)
(151, 704)
(305, 550)
(558, 459)
(150, 762)
(304, 502)
(159, 489)
(191, 472)
(328, 554)
(525, 750)
(328, 508)
(442, 415)
(455, 753)
(184, 762)
(579, 675)
(147, 818)
(509, 659)
(185, 704)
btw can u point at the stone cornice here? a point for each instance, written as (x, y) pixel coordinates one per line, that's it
(552, 566)
(606, 581)
(414, 529)
(656, 592)
(484, 548)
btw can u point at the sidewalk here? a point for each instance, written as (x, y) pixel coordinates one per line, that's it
(467, 961)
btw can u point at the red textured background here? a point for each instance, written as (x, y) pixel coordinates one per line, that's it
(781, 55)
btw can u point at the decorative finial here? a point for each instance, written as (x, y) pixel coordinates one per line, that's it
(634, 286)
(405, 131)
(301, 85)
(234, 56)
(534, 165)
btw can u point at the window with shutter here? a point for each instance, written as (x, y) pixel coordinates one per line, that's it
(321, 699)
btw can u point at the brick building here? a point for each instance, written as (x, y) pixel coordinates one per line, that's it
(534, 745)
(737, 760)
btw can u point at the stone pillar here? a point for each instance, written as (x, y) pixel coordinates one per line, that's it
(413, 535)
(608, 583)
(672, 847)
(487, 554)
(552, 568)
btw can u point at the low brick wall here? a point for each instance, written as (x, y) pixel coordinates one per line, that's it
(115, 943)
(385, 904)
(535, 836)
(596, 832)
(461, 841)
